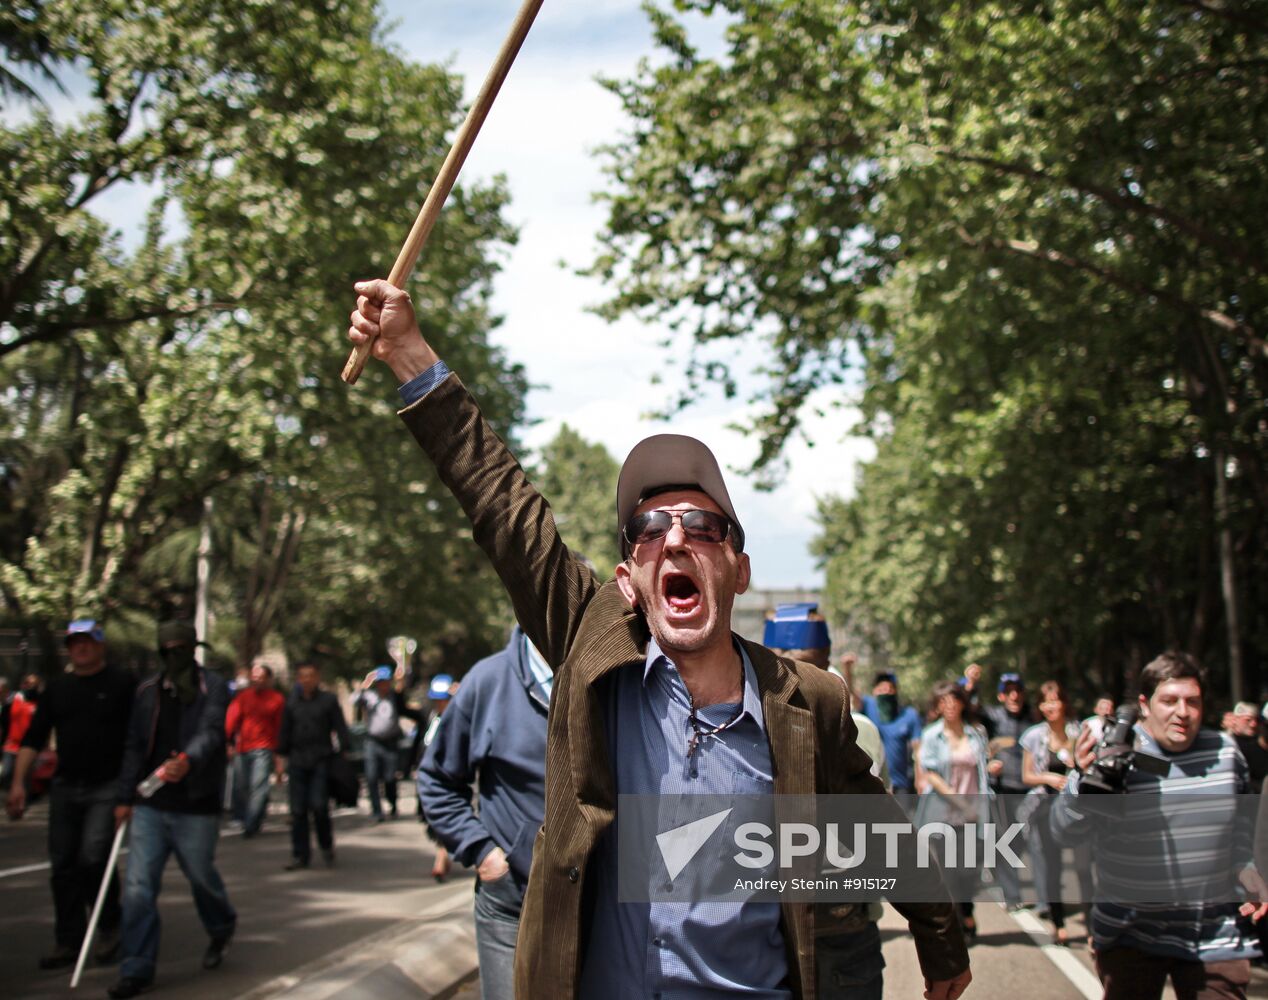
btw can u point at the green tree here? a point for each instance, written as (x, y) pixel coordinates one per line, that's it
(1030, 229)
(286, 145)
(579, 480)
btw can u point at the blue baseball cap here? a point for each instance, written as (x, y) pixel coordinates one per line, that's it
(438, 690)
(382, 673)
(87, 627)
(1006, 679)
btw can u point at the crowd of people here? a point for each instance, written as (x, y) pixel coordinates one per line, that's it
(158, 755)
(481, 783)
(632, 686)
(1011, 760)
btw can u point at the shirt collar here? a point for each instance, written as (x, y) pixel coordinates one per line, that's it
(752, 695)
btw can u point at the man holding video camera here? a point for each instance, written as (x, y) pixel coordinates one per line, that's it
(1202, 940)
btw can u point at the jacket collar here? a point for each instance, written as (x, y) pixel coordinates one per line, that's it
(622, 643)
(628, 637)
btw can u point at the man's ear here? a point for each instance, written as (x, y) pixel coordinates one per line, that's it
(1143, 704)
(626, 585)
(743, 573)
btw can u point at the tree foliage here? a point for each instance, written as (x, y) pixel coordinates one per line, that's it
(285, 146)
(579, 480)
(1032, 228)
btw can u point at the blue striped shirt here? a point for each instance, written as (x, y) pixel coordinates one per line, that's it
(681, 951)
(1197, 856)
(423, 383)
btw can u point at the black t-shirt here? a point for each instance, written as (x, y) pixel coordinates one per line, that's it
(172, 796)
(1256, 759)
(1002, 726)
(90, 715)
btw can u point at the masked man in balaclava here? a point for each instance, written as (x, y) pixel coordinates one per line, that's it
(900, 730)
(177, 732)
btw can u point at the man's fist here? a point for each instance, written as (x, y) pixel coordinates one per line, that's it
(385, 312)
(175, 768)
(121, 815)
(948, 989)
(16, 805)
(493, 866)
(1256, 905)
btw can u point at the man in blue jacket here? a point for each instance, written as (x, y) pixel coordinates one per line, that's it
(177, 731)
(493, 735)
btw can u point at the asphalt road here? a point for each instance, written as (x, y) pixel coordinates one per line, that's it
(294, 925)
(288, 922)
(1013, 957)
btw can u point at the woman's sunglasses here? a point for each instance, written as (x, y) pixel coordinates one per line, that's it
(698, 525)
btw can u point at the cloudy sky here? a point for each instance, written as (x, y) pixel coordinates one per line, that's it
(542, 133)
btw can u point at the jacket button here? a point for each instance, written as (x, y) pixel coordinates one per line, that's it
(573, 874)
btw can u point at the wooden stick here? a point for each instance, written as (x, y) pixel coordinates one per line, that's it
(449, 170)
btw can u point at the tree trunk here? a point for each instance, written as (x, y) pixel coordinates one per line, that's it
(1228, 579)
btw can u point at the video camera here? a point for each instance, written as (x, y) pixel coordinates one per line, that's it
(1116, 756)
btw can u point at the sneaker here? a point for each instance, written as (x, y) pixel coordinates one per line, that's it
(128, 986)
(61, 957)
(215, 953)
(107, 952)
(328, 856)
(295, 864)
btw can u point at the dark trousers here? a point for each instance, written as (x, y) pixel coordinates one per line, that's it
(80, 832)
(309, 794)
(1006, 875)
(850, 966)
(1047, 862)
(1128, 974)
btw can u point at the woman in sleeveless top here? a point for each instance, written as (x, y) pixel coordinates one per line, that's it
(1047, 758)
(951, 777)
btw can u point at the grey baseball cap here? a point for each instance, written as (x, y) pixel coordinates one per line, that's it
(674, 460)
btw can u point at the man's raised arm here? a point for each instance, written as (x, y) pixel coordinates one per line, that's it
(548, 586)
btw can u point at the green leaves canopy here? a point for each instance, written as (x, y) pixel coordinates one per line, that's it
(1033, 230)
(287, 147)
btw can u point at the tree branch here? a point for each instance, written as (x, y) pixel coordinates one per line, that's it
(1216, 241)
(1024, 248)
(51, 331)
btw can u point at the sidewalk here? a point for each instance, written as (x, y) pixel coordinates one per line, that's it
(431, 956)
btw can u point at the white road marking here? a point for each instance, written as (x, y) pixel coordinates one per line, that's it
(1080, 976)
(24, 870)
(225, 832)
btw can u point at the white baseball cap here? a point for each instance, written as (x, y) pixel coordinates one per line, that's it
(670, 460)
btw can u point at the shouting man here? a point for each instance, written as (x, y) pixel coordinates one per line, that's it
(648, 677)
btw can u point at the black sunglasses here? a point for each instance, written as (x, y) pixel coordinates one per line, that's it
(698, 525)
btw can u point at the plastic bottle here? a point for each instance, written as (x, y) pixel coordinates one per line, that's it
(156, 780)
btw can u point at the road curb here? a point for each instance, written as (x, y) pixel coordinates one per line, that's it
(428, 957)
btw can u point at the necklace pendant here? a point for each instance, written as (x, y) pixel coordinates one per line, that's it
(692, 743)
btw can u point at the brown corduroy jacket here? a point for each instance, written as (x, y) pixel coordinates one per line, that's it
(586, 631)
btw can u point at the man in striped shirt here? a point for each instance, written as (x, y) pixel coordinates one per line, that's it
(1186, 842)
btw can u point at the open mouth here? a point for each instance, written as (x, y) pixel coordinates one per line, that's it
(682, 595)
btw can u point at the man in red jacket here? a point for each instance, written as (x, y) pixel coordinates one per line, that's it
(21, 711)
(251, 727)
